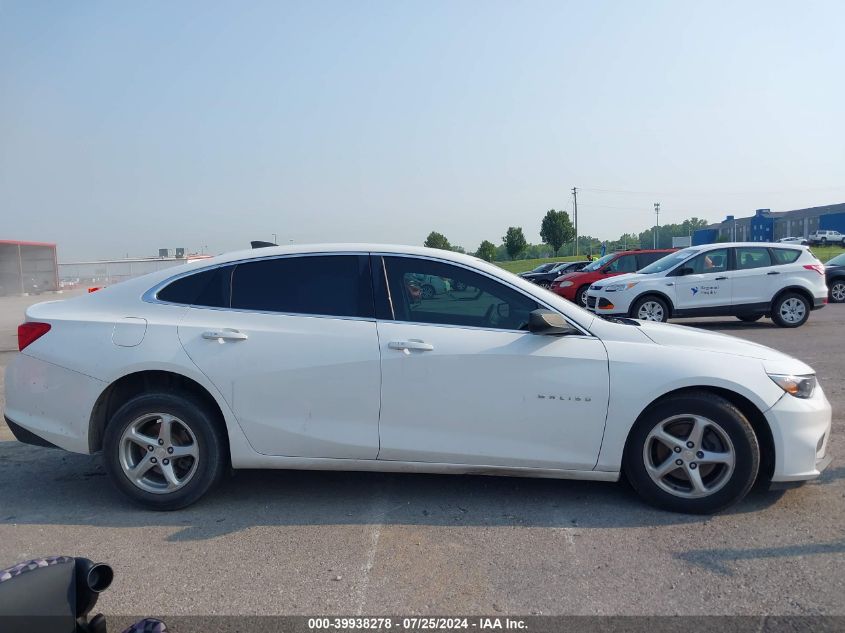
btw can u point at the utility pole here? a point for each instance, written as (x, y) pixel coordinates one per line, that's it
(657, 222)
(275, 239)
(575, 215)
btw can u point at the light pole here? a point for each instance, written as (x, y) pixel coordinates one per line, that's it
(656, 222)
(275, 239)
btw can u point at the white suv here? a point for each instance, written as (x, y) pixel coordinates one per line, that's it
(826, 237)
(747, 280)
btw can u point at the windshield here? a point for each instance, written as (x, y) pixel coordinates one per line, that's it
(839, 260)
(599, 263)
(543, 268)
(665, 263)
(559, 267)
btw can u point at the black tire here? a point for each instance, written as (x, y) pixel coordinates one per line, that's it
(837, 289)
(544, 284)
(639, 303)
(211, 447)
(823, 241)
(427, 291)
(750, 318)
(734, 484)
(581, 296)
(781, 315)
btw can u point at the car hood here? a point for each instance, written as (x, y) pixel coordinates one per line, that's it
(615, 279)
(690, 338)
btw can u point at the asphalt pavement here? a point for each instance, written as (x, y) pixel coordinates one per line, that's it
(287, 542)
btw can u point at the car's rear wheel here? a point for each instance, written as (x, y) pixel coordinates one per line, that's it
(544, 284)
(651, 309)
(823, 241)
(427, 291)
(694, 453)
(750, 318)
(837, 291)
(791, 310)
(164, 451)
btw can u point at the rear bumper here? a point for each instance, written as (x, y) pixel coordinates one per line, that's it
(49, 405)
(819, 302)
(801, 432)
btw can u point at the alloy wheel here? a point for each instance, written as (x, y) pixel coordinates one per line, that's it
(159, 453)
(837, 291)
(792, 310)
(650, 311)
(689, 456)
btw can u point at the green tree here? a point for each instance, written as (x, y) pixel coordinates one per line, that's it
(514, 241)
(487, 251)
(556, 229)
(437, 240)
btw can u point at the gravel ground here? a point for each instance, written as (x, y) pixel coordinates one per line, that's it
(281, 542)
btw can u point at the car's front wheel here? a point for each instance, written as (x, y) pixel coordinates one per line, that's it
(651, 309)
(164, 451)
(791, 310)
(694, 453)
(837, 291)
(581, 296)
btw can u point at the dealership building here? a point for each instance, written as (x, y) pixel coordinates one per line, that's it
(770, 226)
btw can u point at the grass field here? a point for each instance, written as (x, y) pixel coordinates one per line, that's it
(521, 265)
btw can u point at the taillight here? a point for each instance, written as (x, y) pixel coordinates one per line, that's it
(30, 332)
(819, 268)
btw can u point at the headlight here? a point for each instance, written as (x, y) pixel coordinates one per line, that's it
(564, 284)
(620, 287)
(798, 386)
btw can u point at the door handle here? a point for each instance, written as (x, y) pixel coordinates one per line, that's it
(773, 272)
(224, 335)
(412, 344)
(720, 278)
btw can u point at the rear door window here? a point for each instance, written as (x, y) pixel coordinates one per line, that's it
(207, 288)
(644, 259)
(623, 264)
(322, 285)
(748, 257)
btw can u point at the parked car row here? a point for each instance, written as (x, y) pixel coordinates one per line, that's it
(545, 274)
(747, 280)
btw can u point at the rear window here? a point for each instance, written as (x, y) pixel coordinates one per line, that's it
(785, 255)
(330, 285)
(209, 288)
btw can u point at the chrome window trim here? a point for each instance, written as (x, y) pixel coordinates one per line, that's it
(479, 272)
(151, 295)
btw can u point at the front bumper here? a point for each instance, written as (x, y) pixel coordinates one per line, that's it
(614, 304)
(801, 432)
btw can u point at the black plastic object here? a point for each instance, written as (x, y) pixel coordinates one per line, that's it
(260, 244)
(53, 595)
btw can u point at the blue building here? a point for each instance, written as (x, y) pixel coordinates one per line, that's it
(770, 226)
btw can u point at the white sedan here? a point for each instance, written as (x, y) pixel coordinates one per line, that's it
(312, 357)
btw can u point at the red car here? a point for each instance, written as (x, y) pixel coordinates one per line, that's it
(573, 286)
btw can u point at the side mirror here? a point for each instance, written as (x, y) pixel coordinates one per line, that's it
(550, 323)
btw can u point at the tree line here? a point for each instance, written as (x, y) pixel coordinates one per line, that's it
(558, 235)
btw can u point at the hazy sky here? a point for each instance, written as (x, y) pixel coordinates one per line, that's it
(129, 126)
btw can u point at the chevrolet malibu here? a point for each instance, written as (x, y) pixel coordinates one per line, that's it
(313, 357)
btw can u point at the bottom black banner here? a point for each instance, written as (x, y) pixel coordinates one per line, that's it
(535, 624)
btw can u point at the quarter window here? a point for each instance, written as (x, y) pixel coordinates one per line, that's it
(748, 258)
(427, 291)
(785, 255)
(330, 285)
